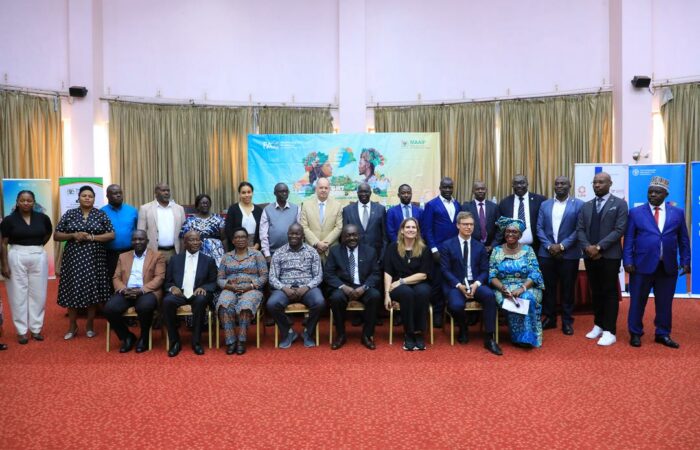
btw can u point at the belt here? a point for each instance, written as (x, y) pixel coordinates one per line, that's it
(165, 249)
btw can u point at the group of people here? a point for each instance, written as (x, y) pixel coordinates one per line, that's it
(519, 256)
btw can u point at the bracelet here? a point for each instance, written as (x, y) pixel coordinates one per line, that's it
(401, 281)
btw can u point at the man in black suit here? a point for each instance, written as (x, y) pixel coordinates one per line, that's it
(190, 279)
(525, 206)
(352, 273)
(601, 224)
(485, 214)
(369, 217)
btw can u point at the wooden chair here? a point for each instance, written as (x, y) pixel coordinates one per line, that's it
(131, 312)
(296, 308)
(469, 306)
(353, 305)
(395, 306)
(186, 310)
(258, 318)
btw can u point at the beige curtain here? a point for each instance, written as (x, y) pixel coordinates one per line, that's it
(543, 138)
(273, 120)
(193, 149)
(31, 141)
(467, 138)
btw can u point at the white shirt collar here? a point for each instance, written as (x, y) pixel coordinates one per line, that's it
(142, 255)
(286, 205)
(444, 200)
(170, 204)
(662, 207)
(562, 201)
(192, 255)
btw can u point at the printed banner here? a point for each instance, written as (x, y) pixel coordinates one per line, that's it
(639, 177)
(384, 160)
(69, 188)
(43, 203)
(695, 226)
(583, 177)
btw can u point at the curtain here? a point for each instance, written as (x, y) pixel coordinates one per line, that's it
(467, 138)
(193, 149)
(543, 138)
(294, 120)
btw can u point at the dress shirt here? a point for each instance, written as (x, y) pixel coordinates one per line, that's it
(469, 263)
(124, 220)
(361, 210)
(662, 221)
(321, 210)
(406, 211)
(605, 199)
(191, 261)
(557, 215)
(527, 237)
(166, 225)
(450, 206)
(356, 273)
(136, 276)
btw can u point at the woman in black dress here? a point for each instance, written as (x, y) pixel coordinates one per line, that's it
(407, 263)
(244, 214)
(84, 282)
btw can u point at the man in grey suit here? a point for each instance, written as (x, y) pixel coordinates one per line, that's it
(370, 218)
(601, 224)
(559, 254)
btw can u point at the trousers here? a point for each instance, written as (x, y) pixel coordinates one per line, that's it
(26, 288)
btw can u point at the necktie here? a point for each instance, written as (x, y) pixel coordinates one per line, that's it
(465, 256)
(321, 207)
(521, 209)
(188, 279)
(656, 215)
(482, 222)
(599, 203)
(365, 216)
(406, 211)
(351, 264)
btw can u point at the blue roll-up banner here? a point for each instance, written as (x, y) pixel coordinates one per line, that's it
(695, 226)
(639, 179)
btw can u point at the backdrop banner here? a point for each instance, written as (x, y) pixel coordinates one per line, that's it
(384, 160)
(43, 203)
(69, 188)
(695, 227)
(639, 178)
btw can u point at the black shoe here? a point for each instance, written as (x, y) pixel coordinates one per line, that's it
(128, 343)
(231, 349)
(567, 329)
(141, 345)
(37, 337)
(635, 340)
(368, 341)
(437, 321)
(549, 323)
(3, 347)
(197, 349)
(409, 343)
(493, 347)
(462, 336)
(240, 348)
(667, 341)
(357, 320)
(420, 342)
(339, 342)
(174, 349)
(22, 339)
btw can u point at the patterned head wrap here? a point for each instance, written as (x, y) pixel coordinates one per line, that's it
(508, 222)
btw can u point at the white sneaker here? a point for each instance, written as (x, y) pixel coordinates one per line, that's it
(595, 332)
(607, 339)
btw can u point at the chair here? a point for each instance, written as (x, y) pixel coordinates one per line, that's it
(186, 310)
(131, 312)
(353, 305)
(468, 306)
(396, 306)
(296, 308)
(258, 318)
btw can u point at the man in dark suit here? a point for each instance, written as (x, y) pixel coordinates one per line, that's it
(485, 213)
(559, 254)
(370, 218)
(190, 280)
(396, 214)
(137, 280)
(601, 224)
(525, 206)
(656, 234)
(439, 224)
(465, 267)
(352, 273)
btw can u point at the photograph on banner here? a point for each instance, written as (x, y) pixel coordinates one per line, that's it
(42, 203)
(384, 160)
(695, 227)
(69, 188)
(639, 178)
(583, 179)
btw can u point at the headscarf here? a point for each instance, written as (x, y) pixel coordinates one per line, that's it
(508, 222)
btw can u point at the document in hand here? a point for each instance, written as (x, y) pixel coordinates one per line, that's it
(510, 306)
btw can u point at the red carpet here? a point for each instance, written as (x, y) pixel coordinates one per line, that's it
(569, 394)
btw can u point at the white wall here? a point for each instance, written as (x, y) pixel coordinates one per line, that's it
(676, 39)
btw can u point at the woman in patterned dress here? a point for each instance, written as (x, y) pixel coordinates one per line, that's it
(515, 274)
(242, 276)
(210, 227)
(84, 282)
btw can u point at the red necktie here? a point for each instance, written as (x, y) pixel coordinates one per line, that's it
(656, 215)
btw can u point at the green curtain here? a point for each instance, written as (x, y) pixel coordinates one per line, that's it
(282, 120)
(31, 140)
(544, 138)
(193, 149)
(467, 138)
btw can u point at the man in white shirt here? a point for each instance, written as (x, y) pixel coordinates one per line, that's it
(162, 219)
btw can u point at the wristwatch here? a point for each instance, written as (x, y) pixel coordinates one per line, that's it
(561, 246)
(597, 247)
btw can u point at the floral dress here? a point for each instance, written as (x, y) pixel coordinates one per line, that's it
(210, 232)
(512, 271)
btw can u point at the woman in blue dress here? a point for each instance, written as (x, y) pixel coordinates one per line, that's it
(515, 274)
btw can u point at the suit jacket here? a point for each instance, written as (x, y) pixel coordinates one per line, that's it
(437, 226)
(613, 222)
(234, 219)
(205, 276)
(394, 217)
(535, 201)
(153, 272)
(492, 214)
(375, 234)
(314, 230)
(567, 229)
(643, 238)
(148, 220)
(336, 271)
(452, 263)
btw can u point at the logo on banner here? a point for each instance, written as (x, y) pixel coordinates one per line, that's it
(635, 172)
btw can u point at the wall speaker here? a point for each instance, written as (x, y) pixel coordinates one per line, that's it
(641, 81)
(77, 91)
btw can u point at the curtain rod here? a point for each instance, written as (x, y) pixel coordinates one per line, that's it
(193, 102)
(593, 90)
(679, 80)
(34, 91)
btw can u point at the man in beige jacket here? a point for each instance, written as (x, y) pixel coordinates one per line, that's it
(162, 219)
(322, 219)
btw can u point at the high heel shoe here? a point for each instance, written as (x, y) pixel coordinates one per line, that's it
(71, 334)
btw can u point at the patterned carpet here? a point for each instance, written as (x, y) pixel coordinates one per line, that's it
(569, 394)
